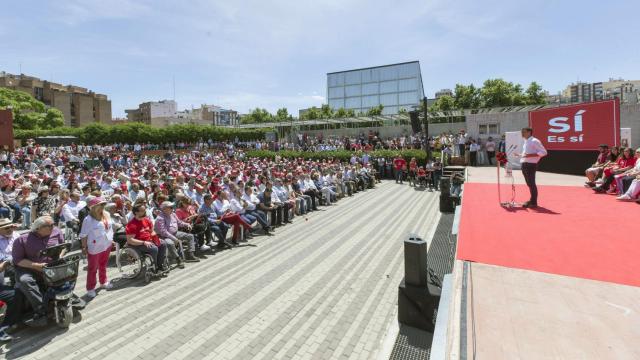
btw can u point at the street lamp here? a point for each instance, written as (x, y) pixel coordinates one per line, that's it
(426, 128)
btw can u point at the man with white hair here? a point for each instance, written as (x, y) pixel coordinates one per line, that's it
(29, 264)
(71, 209)
(167, 227)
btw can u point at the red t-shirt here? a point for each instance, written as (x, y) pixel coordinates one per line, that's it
(623, 163)
(422, 172)
(400, 163)
(413, 165)
(142, 230)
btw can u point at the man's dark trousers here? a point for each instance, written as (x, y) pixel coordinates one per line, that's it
(529, 173)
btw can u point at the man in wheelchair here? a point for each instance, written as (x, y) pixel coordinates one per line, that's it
(142, 238)
(29, 263)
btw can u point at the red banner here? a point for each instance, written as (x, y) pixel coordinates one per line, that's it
(578, 127)
(6, 130)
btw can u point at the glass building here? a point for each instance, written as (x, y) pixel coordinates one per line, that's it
(395, 86)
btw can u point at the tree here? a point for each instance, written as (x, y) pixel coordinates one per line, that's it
(27, 120)
(257, 115)
(443, 103)
(340, 113)
(497, 92)
(29, 113)
(535, 94)
(311, 114)
(375, 111)
(283, 115)
(53, 119)
(467, 97)
(326, 112)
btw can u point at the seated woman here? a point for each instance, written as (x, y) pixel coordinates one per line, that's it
(628, 175)
(226, 214)
(633, 193)
(624, 163)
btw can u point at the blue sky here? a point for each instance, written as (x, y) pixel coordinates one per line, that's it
(246, 54)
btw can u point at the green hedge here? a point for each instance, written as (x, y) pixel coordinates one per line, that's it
(343, 155)
(137, 132)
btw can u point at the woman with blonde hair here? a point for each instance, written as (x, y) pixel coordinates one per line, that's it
(97, 239)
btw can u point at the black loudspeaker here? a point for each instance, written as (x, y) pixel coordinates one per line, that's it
(415, 122)
(445, 185)
(447, 203)
(415, 261)
(418, 298)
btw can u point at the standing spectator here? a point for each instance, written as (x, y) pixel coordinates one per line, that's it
(96, 235)
(462, 141)
(399, 164)
(473, 153)
(490, 146)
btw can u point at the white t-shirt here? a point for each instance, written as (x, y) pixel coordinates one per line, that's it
(99, 237)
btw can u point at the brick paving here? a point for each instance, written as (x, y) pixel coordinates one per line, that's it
(322, 288)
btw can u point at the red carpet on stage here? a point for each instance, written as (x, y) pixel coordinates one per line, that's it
(575, 233)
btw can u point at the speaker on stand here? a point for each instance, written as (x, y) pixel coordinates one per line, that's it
(415, 122)
(418, 293)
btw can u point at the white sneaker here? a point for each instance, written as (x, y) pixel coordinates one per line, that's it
(91, 294)
(624, 197)
(107, 286)
(205, 247)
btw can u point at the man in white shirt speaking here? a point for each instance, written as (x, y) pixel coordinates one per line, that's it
(532, 152)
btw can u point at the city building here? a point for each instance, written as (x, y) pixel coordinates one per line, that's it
(216, 115)
(626, 90)
(396, 86)
(78, 105)
(444, 92)
(164, 113)
(155, 113)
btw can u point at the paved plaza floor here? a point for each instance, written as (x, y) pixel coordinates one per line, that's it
(322, 288)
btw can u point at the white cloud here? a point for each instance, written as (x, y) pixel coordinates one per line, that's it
(73, 12)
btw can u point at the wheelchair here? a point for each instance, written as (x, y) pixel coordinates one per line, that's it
(132, 264)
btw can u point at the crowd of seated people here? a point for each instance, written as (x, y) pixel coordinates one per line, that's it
(177, 207)
(616, 171)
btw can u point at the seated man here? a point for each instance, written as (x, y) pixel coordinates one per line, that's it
(71, 209)
(328, 195)
(218, 227)
(595, 170)
(457, 179)
(252, 203)
(168, 227)
(142, 238)
(283, 195)
(29, 264)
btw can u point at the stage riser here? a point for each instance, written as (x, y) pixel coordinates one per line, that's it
(567, 162)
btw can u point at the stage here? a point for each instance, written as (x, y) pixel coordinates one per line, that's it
(560, 281)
